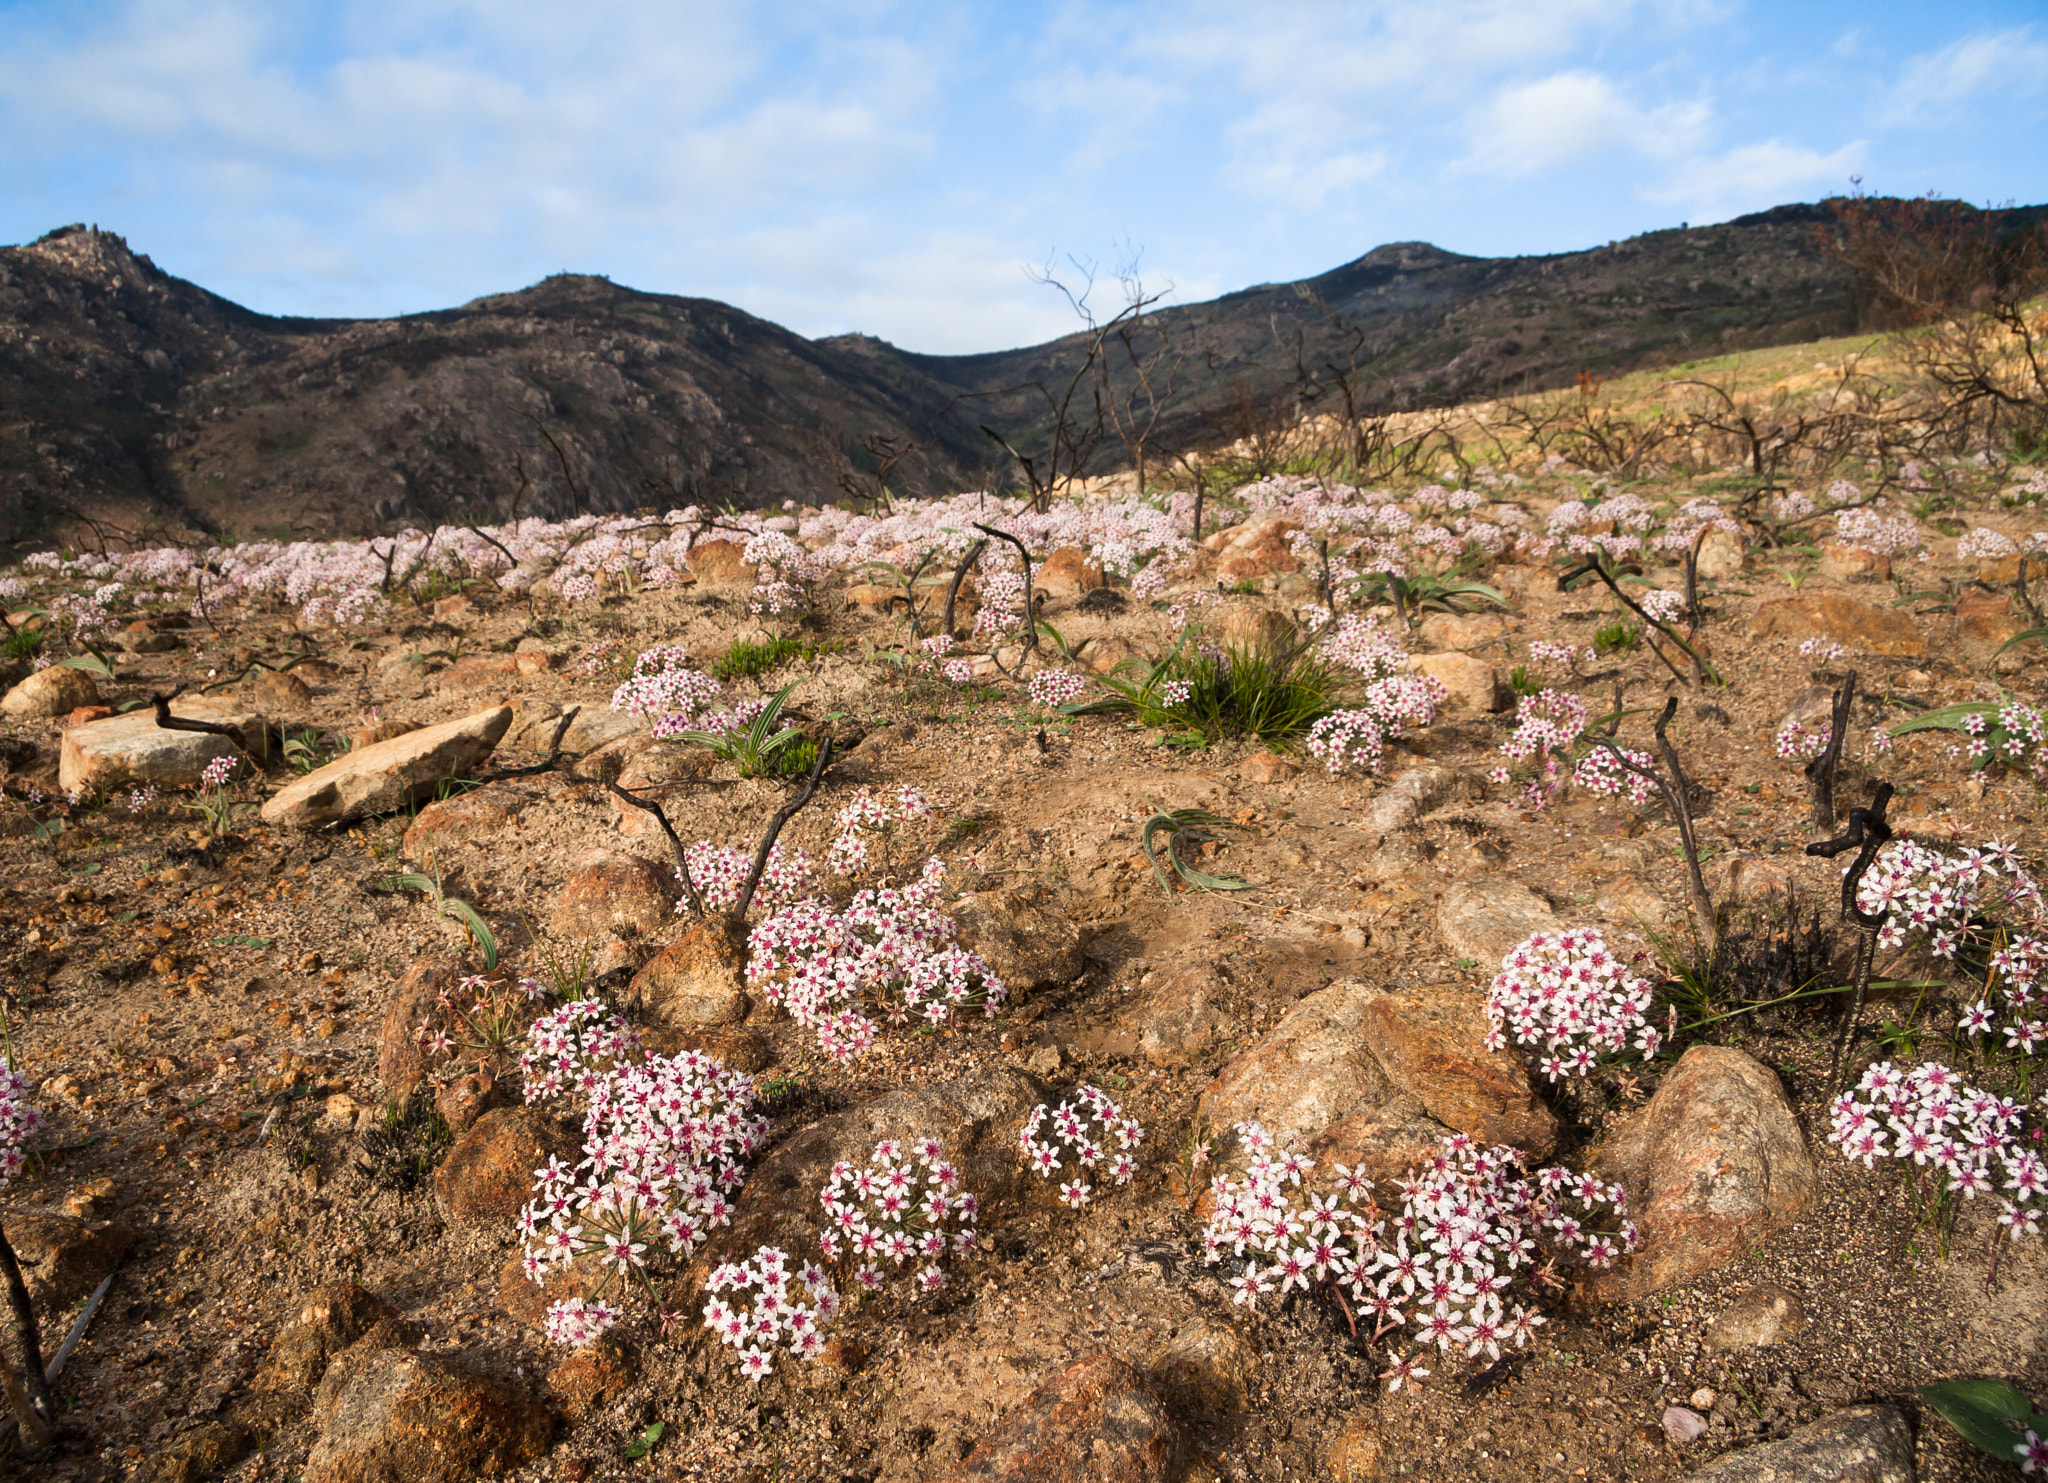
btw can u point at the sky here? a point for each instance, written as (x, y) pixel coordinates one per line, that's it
(910, 171)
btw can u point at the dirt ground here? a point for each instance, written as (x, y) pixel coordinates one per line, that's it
(189, 1006)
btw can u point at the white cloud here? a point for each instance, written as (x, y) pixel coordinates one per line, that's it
(1571, 117)
(1976, 69)
(1753, 177)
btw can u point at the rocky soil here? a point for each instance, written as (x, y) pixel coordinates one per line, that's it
(220, 1027)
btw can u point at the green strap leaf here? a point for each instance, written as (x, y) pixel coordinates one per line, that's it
(1948, 717)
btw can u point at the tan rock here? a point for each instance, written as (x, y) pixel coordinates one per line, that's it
(275, 693)
(1096, 1419)
(131, 750)
(1358, 1455)
(1067, 573)
(447, 609)
(1627, 900)
(401, 1063)
(1024, 938)
(698, 980)
(591, 1379)
(1267, 767)
(1431, 1043)
(1460, 631)
(1204, 1369)
(1178, 1019)
(385, 776)
(1311, 1075)
(1242, 626)
(720, 563)
(1713, 1165)
(487, 1177)
(377, 731)
(1722, 554)
(1760, 1316)
(1482, 921)
(1475, 685)
(1839, 563)
(610, 891)
(475, 670)
(412, 1418)
(1830, 615)
(332, 1318)
(55, 691)
(474, 815)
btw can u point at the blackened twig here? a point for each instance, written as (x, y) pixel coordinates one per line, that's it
(1701, 669)
(1030, 615)
(782, 816)
(30, 1335)
(1676, 788)
(165, 721)
(967, 561)
(1866, 834)
(675, 844)
(1820, 772)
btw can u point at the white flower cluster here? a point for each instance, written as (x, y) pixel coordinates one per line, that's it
(1471, 1226)
(574, 1047)
(886, 1212)
(1547, 725)
(1364, 645)
(786, 571)
(1568, 992)
(1599, 772)
(1053, 688)
(1928, 894)
(1352, 740)
(663, 684)
(1929, 1115)
(1663, 606)
(1088, 1126)
(1869, 529)
(1542, 651)
(663, 1146)
(19, 1120)
(888, 947)
(1982, 543)
(1796, 744)
(718, 873)
(770, 1307)
(868, 813)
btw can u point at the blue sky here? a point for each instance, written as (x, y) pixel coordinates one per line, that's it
(896, 168)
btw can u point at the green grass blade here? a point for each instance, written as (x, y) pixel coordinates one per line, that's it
(466, 914)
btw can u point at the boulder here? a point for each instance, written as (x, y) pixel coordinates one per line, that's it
(401, 1063)
(408, 1418)
(1203, 1370)
(1025, 940)
(1311, 1075)
(62, 1260)
(1984, 623)
(471, 816)
(658, 772)
(720, 563)
(1420, 790)
(1475, 685)
(1067, 573)
(1829, 615)
(1431, 1044)
(696, 981)
(1096, 1419)
(610, 891)
(132, 751)
(1721, 555)
(1715, 1163)
(1481, 921)
(387, 775)
(487, 1177)
(206, 1451)
(275, 693)
(1864, 1444)
(591, 1379)
(1250, 627)
(332, 1318)
(56, 691)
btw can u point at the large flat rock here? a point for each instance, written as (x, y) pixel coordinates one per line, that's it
(131, 750)
(385, 776)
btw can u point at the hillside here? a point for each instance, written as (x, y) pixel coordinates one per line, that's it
(137, 400)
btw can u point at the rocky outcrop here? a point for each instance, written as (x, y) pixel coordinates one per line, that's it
(384, 777)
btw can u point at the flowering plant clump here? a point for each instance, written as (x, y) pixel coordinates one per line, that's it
(1362, 644)
(1352, 740)
(1053, 688)
(1796, 744)
(2017, 738)
(889, 947)
(1869, 529)
(663, 685)
(891, 1211)
(1548, 725)
(1951, 1131)
(1599, 772)
(1985, 544)
(1827, 651)
(719, 872)
(1567, 992)
(770, 1307)
(663, 1145)
(1930, 895)
(1088, 1126)
(1663, 606)
(576, 1046)
(482, 1018)
(20, 1119)
(785, 573)
(871, 813)
(1466, 1240)
(1542, 651)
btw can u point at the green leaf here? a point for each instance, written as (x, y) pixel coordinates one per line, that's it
(1948, 717)
(410, 880)
(92, 664)
(1989, 1414)
(236, 939)
(466, 914)
(648, 1438)
(1173, 821)
(2021, 638)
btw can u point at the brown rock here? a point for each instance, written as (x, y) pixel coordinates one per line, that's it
(658, 772)
(1358, 1455)
(1863, 1444)
(471, 816)
(1481, 921)
(275, 693)
(1096, 1420)
(732, 1047)
(87, 713)
(698, 980)
(1713, 1164)
(1475, 685)
(534, 661)
(1067, 573)
(1256, 549)
(590, 1379)
(1419, 791)
(1721, 554)
(1245, 626)
(1024, 939)
(207, 1451)
(615, 892)
(528, 1301)
(378, 731)
(1205, 1368)
(462, 1101)
(332, 1318)
(133, 751)
(1430, 1042)
(55, 691)
(1460, 631)
(1830, 615)
(1761, 1316)
(408, 1418)
(449, 608)
(1178, 1020)
(474, 670)
(1983, 630)
(1839, 563)
(385, 776)
(401, 1064)
(720, 563)
(1267, 767)
(1750, 880)
(487, 1177)
(63, 1260)
(1312, 1076)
